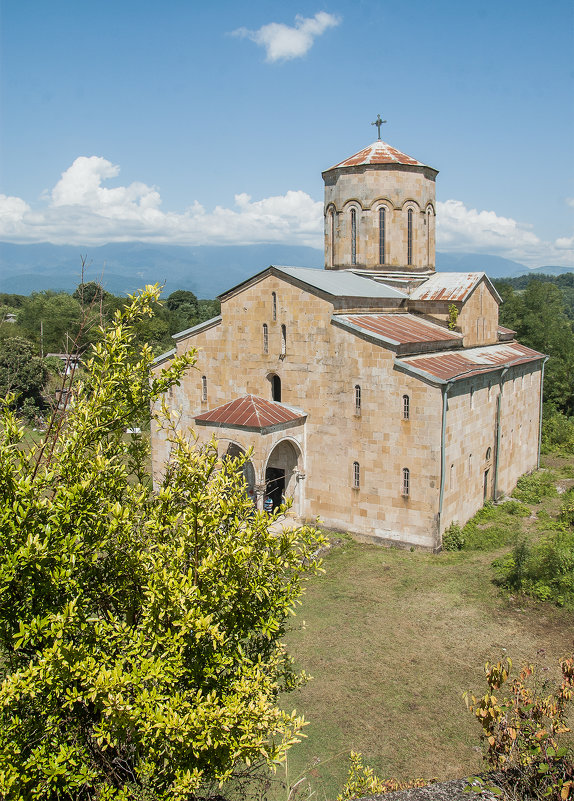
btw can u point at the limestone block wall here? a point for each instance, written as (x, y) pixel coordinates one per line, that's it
(319, 371)
(471, 438)
(477, 318)
(366, 190)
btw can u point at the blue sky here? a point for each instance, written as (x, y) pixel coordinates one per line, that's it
(195, 123)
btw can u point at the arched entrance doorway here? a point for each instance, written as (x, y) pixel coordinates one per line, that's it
(234, 451)
(281, 473)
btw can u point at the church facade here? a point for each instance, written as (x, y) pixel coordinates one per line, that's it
(380, 395)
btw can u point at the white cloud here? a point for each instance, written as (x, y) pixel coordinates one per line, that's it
(81, 210)
(283, 42)
(460, 229)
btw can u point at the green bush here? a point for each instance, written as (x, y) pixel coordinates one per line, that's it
(453, 538)
(532, 488)
(557, 433)
(544, 570)
(516, 508)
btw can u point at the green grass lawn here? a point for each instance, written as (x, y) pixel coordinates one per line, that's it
(392, 639)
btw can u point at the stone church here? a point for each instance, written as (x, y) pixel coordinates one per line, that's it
(381, 396)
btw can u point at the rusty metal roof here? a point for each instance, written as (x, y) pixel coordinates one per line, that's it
(450, 286)
(400, 329)
(251, 412)
(504, 330)
(455, 366)
(377, 153)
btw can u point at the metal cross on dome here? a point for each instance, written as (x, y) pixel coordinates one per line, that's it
(378, 122)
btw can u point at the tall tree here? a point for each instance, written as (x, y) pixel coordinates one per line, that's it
(140, 631)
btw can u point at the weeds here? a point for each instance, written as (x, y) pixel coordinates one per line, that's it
(536, 486)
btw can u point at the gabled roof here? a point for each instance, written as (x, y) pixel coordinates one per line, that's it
(451, 286)
(457, 365)
(378, 153)
(336, 283)
(251, 412)
(399, 330)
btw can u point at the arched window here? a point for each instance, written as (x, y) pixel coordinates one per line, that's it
(332, 234)
(410, 236)
(406, 487)
(265, 338)
(382, 233)
(406, 407)
(356, 475)
(203, 388)
(283, 340)
(488, 454)
(428, 236)
(353, 236)
(357, 399)
(274, 304)
(276, 388)
(472, 398)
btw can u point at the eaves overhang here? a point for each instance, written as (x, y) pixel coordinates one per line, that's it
(164, 357)
(196, 329)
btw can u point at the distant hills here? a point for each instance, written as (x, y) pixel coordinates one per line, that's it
(205, 270)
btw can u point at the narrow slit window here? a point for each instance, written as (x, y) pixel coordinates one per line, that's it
(283, 340)
(382, 233)
(357, 399)
(265, 338)
(203, 388)
(488, 454)
(356, 475)
(406, 407)
(332, 248)
(353, 236)
(274, 304)
(406, 486)
(276, 388)
(428, 237)
(410, 237)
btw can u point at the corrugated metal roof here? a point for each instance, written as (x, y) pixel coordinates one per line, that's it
(400, 329)
(377, 153)
(447, 286)
(341, 283)
(504, 330)
(450, 286)
(251, 412)
(454, 366)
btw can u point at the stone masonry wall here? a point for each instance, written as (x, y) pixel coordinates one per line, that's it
(367, 189)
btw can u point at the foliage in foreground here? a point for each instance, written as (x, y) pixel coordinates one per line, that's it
(140, 630)
(523, 730)
(363, 781)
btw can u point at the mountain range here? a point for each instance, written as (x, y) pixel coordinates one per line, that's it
(205, 270)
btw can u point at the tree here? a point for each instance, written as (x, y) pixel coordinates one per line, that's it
(22, 372)
(538, 316)
(140, 629)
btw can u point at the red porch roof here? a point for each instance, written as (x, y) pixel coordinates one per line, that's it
(251, 412)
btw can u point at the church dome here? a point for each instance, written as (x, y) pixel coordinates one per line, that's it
(380, 212)
(377, 153)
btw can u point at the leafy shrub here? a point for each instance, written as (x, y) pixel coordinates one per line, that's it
(141, 630)
(557, 433)
(544, 570)
(522, 732)
(362, 781)
(532, 488)
(516, 508)
(453, 538)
